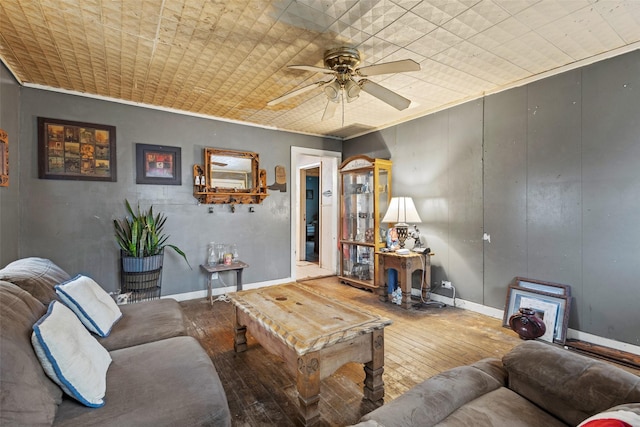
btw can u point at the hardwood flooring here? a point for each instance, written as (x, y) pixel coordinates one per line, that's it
(419, 344)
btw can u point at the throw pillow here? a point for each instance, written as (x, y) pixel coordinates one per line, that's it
(92, 304)
(70, 356)
(618, 418)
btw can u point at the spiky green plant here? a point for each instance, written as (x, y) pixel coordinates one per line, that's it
(140, 234)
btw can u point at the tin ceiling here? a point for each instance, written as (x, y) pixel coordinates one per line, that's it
(227, 59)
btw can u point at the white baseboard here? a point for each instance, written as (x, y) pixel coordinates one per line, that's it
(499, 314)
(459, 303)
(186, 296)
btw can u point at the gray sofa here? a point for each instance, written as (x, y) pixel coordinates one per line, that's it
(159, 376)
(535, 384)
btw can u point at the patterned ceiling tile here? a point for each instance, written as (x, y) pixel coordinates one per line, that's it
(499, 34)
(623, 16)
(440, 12)
(582, 34)
(333, 9)
(375, 49)
(452, 78)
(435, 42)
(533, 53)
(481, 63)
(472, 21)
(373, 15)
(407, 29)
(302, 16)
(545, 12)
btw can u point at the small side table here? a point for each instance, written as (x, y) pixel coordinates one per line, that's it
(211, 270)
(405, 265)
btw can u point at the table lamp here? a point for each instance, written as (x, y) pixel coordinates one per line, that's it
(401, 210)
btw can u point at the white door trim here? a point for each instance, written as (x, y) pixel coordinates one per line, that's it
(296, 154)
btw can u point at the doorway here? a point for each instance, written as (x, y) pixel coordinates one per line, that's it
(310, 215)
(314, 233)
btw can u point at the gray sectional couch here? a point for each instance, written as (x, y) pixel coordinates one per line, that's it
(536, 384)
(159, 376)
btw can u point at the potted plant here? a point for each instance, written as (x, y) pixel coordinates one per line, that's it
(141, 239)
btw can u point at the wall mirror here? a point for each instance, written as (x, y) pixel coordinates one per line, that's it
(229, 176)
(228, 170)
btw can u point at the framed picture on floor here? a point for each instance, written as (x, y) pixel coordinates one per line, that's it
(76, 150)
(158, 164)
(552, 309)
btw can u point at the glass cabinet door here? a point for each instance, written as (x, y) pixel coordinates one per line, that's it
(365, 195)
(357, 207)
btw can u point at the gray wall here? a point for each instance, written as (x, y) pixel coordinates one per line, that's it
(71, 222)
(9, 204)
(550, 171)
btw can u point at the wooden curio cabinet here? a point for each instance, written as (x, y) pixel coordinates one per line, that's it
(365, 186)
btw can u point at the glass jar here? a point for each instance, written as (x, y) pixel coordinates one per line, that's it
(234, 252)
(220, 252)
(212, 255)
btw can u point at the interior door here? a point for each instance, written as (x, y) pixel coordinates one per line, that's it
(302, 216)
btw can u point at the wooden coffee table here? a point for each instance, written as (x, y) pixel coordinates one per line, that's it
(314, 335)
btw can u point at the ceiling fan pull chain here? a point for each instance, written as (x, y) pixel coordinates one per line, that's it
(342, 102)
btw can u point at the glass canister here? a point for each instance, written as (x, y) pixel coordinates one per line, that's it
(212, 255)
(220, 252)
(234, 252)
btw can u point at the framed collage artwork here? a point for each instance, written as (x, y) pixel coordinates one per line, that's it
(76, 151)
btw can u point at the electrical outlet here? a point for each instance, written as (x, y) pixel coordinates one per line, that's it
(446, 284)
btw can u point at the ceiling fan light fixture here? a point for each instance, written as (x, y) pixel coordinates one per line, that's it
(352, 89)
(332, 90)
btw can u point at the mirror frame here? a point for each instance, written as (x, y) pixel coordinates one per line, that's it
(255, 193)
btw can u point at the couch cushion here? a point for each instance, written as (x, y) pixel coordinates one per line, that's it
(94, 307)
(27, 396)
(501, 407)
(145, 322)
(37, 276)
(571, 386)
(164, 383)
(436, 398)
(70, 356)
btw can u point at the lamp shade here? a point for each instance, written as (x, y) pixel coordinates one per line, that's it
(401, 211)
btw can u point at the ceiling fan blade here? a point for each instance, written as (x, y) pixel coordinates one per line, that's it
(382, 93)
(330, 110)
(312, 69)
(295, 93)
(389, 67)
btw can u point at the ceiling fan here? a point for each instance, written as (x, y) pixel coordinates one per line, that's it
(348, 80)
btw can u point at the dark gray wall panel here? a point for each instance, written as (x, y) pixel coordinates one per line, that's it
(9, 196)
(71, 221)
(421, 172)
(465, 200)
(554, 211)
(611, 194)
(505, 190)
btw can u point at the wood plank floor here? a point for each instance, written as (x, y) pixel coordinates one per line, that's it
(418, 345)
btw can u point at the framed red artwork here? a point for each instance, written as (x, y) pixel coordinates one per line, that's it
(158, 164)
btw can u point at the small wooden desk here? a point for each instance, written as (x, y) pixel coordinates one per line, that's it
(405, 265)
(237, 266)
